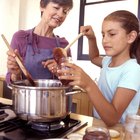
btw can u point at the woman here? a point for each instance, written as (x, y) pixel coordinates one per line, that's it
(35, 46)
(118, 91)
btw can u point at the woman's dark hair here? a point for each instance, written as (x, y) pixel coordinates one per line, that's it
(130, 23)
(67, 3)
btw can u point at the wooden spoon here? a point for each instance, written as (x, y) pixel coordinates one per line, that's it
(69, 45)
(60, 52)
(22, 67)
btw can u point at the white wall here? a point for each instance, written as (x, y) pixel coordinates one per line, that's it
(9, 17)
(25, 14)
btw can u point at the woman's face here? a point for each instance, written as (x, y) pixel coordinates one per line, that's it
(115, 40)
(54, 14)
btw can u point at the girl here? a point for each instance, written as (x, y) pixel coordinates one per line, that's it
(118, 91)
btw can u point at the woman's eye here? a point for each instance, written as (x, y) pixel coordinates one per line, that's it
(56, 8)
(66, 12)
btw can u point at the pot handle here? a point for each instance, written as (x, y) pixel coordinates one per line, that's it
(72, 92)
(10, 87)
(75, 90)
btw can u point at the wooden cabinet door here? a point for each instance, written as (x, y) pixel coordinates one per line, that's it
(81, 104)
(76, 105)
(2, 78)
(1, 88)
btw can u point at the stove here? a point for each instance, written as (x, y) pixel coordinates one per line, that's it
(18, 129)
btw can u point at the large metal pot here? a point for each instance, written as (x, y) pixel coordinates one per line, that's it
(48, 101)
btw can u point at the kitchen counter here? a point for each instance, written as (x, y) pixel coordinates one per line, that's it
(2, 77)
(91, 121)
(96, 122)
(5, 101)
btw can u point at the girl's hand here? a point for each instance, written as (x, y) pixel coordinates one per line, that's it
(88, 31)
(75, 74)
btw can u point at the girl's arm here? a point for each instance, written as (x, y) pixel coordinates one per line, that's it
(93, 48)
(110, 112)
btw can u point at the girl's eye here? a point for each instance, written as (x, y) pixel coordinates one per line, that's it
(112, 34)
(109, 35)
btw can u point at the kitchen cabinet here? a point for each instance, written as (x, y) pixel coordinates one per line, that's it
(81, 104)
(4, 90)
(1, 85)
(1, 88)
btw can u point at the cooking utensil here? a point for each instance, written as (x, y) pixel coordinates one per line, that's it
(46, 102)
(22, 67)
(60, 52)
(69, 45)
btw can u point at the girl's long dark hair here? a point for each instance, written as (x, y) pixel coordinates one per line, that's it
(130, 23)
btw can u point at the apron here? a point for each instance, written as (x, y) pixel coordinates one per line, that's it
(34, 57)
(33, 62)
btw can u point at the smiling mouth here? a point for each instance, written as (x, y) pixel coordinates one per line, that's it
(57, 20)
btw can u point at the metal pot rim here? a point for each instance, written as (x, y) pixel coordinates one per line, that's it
(55, 84)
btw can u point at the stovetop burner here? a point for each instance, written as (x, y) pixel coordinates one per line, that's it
(18, 129)
(22, 130)
(47, 126)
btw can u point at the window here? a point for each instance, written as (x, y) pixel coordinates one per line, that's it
(92, 13)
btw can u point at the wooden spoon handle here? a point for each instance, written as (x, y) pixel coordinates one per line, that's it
(69, 45)
(26, 73)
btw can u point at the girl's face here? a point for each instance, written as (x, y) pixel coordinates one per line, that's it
(115, 40)
(54, 14)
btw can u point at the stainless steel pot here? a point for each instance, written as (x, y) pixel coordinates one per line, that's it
(46, 102)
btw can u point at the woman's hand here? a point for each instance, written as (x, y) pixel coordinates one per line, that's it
(75, 74)
(51, 65)
(12, 65)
